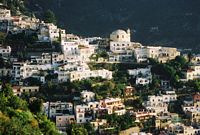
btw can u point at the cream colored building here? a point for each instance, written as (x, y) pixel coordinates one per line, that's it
(18, 90)
(181, 129)
(97, 123)
(113, 105)
(5, 13)
(25, 22)
(194, 113)
(63, 121)
(192, 73)
(144, 114)
(121, 46)
(85, 51)
(195, 59)
(80, 75)
(121, 36)
(162, 54)
(194, 116)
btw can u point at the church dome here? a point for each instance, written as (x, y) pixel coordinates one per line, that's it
(119, 32)
(120, 36)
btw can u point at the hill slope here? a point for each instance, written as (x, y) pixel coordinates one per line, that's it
(169, 22)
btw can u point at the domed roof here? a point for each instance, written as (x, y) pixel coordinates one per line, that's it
(119, 32)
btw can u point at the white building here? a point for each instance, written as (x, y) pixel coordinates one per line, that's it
(160, 103)
(23, 70)
(121, 46)
(83, 114)
(47, 58)
(69, 47)
(5, 51)
(79, 71)
(50, 32)
(92, 39)
(87, 96)
(80, 75)
(141, 55)
(143, 75)
(143, 80)
(192, 73)
(53, 109)
(138, 71)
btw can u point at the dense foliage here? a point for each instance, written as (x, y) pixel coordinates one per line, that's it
(16, 118)
(120, 122)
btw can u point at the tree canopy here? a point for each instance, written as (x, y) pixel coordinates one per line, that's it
(16, 118)
(49, 17)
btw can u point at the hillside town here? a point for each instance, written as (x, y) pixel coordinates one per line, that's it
(112, 84)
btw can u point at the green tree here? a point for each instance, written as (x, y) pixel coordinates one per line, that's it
(2, 37)
(3, 102)
(35, 105)
(181, 60)
(78, 130)
(7, 90)
(17, 103)
(89, 128)
(47, 126)
(49, 17)
(16, 118)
